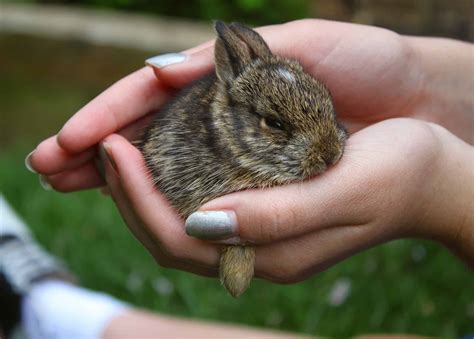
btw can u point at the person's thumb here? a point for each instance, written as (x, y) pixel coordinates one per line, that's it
(269, 215)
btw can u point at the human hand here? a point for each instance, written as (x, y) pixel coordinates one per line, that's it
(373, 74)
(397, 178)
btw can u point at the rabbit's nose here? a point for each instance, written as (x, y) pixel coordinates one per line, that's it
(332, 156)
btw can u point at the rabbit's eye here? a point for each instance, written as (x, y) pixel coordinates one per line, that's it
(266, 122)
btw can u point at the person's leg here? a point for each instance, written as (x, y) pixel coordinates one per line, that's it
(53, 307)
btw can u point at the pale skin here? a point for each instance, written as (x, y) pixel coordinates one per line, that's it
(141, 324)
(405, 177)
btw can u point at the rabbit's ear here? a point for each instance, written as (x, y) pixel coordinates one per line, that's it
(258, 47)
(236, 46)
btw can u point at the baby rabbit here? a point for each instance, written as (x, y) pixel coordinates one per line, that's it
(259, 121)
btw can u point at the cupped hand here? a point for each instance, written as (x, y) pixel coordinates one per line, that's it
(372, 73)
(377, 192)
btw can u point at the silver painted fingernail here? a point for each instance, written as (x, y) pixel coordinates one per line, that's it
(45, 183)
(28, 162)
(164, 60)
(212, 225)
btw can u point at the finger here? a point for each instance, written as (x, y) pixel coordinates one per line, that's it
(49, 158)
(140, 232)
(124, 102)
(268, 215)
(297, 259)
(81, 178)
(154, 210)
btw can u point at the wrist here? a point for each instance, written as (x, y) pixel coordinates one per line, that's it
(446, 216)
(445, 83)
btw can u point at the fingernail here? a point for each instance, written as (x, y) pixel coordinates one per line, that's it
(164, 60)
(212, 225)
(28, 162)
(43, 180)
(105, 153)
(57, 136)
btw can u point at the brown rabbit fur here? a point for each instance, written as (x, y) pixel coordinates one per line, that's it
(260, 121)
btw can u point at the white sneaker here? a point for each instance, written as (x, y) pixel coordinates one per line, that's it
(10, 222)
(22, 260)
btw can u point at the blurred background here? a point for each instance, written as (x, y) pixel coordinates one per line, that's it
(55, 56)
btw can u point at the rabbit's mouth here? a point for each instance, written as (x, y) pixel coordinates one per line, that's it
(318, 162)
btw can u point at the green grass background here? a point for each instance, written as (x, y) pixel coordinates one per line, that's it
(402, 287)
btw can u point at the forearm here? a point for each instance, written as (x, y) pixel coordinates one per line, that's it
(448, 217)
(446, 83)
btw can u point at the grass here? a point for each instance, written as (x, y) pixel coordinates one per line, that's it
(402, 287)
